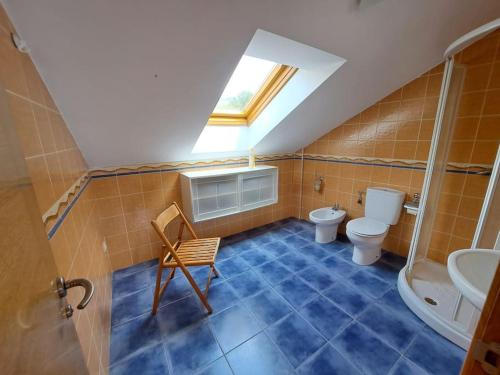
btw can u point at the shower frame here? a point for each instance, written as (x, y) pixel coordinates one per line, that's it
(408, 294)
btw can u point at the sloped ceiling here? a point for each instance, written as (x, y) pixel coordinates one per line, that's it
(136, 80)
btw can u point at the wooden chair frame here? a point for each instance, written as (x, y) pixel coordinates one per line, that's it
(199, 252)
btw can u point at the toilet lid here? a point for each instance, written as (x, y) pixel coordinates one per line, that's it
(364, 226)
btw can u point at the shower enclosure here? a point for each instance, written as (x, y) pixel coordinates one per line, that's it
(457, 182)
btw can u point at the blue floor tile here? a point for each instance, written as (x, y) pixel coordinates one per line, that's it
(226, 252)
(137, 334)
(281, 232)
(242, 246)
(296, 291)
(306, 224)
(393, 329)
(371, 285)
(436, 354)
(315, 252)
(347, 298)
(293, 226)
(247, 284)
(233, 327)
(307, 235)
(192, 349)
(294, 261)
(267, 275)
(131, 283)
(262, 239)
(200, 275)
(276, 248)
(256, 257)
(268, 306)
(295, 242)
(394, 260)
(232, 267)
(131, 306)
(150, 361)
(327, 362)
(325, 317)
(384, 271)
(340, 268)
(317, 277)
(365, 350)
(219, 367)
(393, 301)
(119, 274)
(296, 338)
(405, 367)
(221, 296)
(273, 272)
(345, 253)
(258, 356)
(179, 287)
(180, 314)
(271, 226)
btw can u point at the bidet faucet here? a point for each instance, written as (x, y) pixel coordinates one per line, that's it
(335, 207)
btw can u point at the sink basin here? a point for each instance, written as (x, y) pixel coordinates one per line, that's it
(472, 271)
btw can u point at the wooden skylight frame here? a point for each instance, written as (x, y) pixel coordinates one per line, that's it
(276, 80)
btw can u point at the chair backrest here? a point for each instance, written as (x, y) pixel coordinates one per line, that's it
(167, 216)
(162, 222)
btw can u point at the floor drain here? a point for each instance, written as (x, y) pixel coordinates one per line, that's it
(430, 301)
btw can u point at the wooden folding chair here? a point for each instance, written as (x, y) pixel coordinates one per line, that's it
(182, 254)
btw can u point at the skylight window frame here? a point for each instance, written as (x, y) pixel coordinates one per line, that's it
(273, 84)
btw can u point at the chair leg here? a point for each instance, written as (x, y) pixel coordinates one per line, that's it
(208, 281)
(157, 288)
(216, 273)
(202, 297)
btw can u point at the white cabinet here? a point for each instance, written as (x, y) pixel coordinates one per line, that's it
(219, 192)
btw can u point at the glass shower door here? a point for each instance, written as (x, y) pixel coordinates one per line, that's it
(437, 162)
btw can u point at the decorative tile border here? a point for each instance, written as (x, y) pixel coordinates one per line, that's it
(66, 211)
(71, 196)
(464, 168)
(52, 212)
(183, 165)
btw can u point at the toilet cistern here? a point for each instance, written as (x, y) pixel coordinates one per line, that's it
(327, 220)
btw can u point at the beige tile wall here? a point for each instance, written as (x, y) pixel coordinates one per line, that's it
(54, 164)
(127, 203)
(400, 127)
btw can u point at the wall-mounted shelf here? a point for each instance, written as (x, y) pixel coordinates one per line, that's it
(220, 192)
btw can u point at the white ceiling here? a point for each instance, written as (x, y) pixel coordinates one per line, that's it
(99, 60)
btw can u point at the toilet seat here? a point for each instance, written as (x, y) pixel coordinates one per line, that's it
(366, 227)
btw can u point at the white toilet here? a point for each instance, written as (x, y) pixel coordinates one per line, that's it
(327, 220)
(382, 209)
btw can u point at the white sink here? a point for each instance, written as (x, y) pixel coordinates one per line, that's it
(472, 271)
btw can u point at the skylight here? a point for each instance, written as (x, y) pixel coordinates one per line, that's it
(276, 90)
(245, 82)
(252, 86)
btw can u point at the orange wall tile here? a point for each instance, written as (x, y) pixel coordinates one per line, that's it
(54, 164)
(127, 204)
(400, 127)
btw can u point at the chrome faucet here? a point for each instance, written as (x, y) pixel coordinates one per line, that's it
(335, 207)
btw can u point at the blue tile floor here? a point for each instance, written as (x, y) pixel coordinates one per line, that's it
(282, 305)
